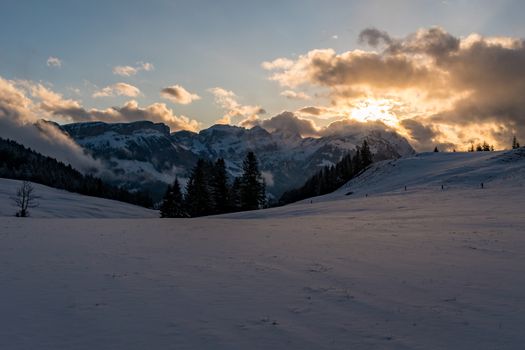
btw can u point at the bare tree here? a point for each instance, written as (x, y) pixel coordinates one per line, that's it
(25, 198)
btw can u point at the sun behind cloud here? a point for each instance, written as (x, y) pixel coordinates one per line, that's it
(371, 109)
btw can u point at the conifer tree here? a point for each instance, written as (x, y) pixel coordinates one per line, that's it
(366, 155)
(197, 191)
(330, 178)
(436, 149)
(235, 195)
(219, 187)
(172, 203)
(357, 162)
(252, 187)
(167, 203)
(515, 143)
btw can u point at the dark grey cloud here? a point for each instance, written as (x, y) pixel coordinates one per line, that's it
(288, 123)
(371, 69)
(353, 127)
(422, 135)
(311, 110)
(374, 37)
(178, 94)
(434, 42)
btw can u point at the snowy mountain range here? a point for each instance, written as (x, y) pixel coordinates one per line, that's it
(148, 154)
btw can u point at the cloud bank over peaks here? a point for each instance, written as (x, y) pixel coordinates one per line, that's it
(291, 124)
(48, 104)
(287, 123)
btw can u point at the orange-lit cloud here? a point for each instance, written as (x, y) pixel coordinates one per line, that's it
(117, 89)
(236, 113)
(52, 105)
(127, 71)
(294, 95)
(431, 86)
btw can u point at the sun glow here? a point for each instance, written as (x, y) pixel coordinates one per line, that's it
(375, 110)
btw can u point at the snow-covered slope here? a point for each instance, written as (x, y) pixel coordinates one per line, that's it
(419, 269)
(54, 203)
(405, 270)
(428, 171)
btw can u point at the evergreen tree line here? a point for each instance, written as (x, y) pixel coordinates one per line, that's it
(485, 147)
(330, 178)
(209, 191)
(481, 147)
(21, 163)
(515, 143)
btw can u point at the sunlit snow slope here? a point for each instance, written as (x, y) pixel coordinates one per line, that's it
(428, 171)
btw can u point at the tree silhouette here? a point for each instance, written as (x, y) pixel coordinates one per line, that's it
(366, 155)
(25, 198)
(219, 187)
(198, 200)
(235, 195)
(515, 143)
(252, 186)
(172, 203)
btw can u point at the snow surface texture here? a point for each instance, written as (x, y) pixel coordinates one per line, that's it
(419, 269)
(54, 203)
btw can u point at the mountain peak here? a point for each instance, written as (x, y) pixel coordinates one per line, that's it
(87, 129)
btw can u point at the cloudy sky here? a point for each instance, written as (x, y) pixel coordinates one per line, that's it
(442, 73)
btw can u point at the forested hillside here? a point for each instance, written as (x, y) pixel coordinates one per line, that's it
(21, 163)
